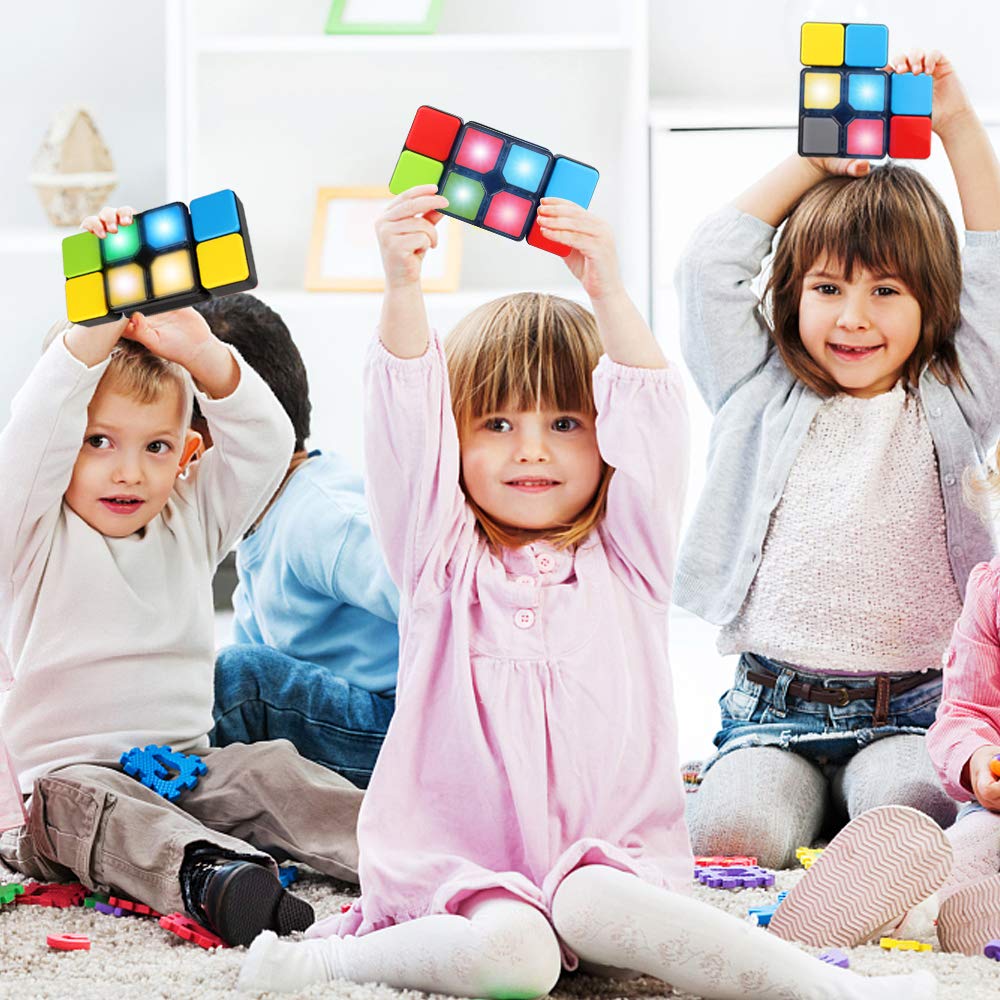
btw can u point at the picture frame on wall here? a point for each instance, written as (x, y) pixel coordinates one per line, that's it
(383, 17)
(344, 254)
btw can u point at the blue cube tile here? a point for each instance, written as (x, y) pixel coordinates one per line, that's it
(866, 45)
(911, 93)
(866, 91)
(214, 215)
(524, 168)
(571, 180)
(164, 227)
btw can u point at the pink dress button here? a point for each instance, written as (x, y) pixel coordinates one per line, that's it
(524, 618)
(527, 580)
(545, 563)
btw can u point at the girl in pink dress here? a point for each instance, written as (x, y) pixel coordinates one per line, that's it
(526, 812)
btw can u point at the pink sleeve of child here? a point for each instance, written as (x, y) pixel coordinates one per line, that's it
(642, 432)
(969, 715)
(412, 463)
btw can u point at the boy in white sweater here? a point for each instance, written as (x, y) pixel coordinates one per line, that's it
(107, 552)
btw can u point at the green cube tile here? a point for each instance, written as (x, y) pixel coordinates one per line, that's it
(413, 169)
(464, 195)
(121, 245)
(81, 254)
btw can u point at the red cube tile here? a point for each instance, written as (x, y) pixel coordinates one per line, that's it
(909, 137)
(536, 239)
(479, 150)
(507, 213)
(432, 133)
(866, 137)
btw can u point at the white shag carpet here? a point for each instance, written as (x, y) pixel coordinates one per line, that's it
(134, 958)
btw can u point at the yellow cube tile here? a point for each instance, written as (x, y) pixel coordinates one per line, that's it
(171, 273)
(85, 298)
(223, 261)
(821, 90)
(126, 286)
(822, 44)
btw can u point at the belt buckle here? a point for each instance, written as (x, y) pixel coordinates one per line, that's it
(844, 698)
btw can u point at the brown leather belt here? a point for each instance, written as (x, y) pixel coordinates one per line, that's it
(881, 692)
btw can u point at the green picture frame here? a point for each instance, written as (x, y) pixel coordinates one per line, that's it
(362, 17)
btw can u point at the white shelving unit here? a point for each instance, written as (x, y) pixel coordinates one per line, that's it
(269, 105)
(277, 109)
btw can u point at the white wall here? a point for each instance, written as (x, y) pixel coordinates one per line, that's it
(107, 54)
(749, 51)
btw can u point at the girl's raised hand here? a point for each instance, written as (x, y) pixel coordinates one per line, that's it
(108, 220)
(406, 231)
(950, 100)
(592, 259)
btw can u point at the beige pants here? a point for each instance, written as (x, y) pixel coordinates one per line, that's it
(93, 823)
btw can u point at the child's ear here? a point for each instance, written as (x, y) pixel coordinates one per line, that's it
(192, 446)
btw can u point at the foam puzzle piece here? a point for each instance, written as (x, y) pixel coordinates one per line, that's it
(734, 877)
(190, 930)
(130, 906)
(492, 180)
(52, 894)
(724, 861)
(892, 944)
(152, 766)
(68, 942)
(807, 855)
(9, 892)
(834, 956)
(849, 106)
(288, 874)
(169, 257)
(761, 915)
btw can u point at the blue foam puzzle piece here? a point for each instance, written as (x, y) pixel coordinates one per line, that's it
(911, 93)
(152, 765)
(288, 874)
(214, 215)
(866, 45)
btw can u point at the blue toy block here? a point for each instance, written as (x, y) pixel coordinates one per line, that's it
(214, 215)
(288, 874)
(152, 766)
(866, 45)
(573, 181)
(911, 93)
(761, 915)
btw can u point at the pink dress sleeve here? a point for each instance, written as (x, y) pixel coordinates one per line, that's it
(969, 714)
(412, 460)
(642, 432)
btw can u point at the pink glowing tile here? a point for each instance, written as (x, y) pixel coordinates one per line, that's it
(507, 214)
(866, 137)
(479, 150)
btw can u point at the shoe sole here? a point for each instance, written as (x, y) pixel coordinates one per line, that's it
(251, 900)
(879, 866)
(970, 918)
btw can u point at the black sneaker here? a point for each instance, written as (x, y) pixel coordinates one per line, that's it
(238, 899)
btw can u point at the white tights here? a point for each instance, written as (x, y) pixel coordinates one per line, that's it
(500, 947)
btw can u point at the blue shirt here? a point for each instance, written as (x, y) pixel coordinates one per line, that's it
(312, 581)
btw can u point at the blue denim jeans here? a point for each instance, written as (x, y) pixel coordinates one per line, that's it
(262, 694)
(754, 715)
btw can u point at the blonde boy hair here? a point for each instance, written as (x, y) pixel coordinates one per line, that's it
(141, 375)
(520, 352)
(136, 371)
(890, 221)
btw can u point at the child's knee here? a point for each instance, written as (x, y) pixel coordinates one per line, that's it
(520, 953)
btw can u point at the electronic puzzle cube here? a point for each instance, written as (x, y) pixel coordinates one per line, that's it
(491, 180)
(849, 106)
(167, 258)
